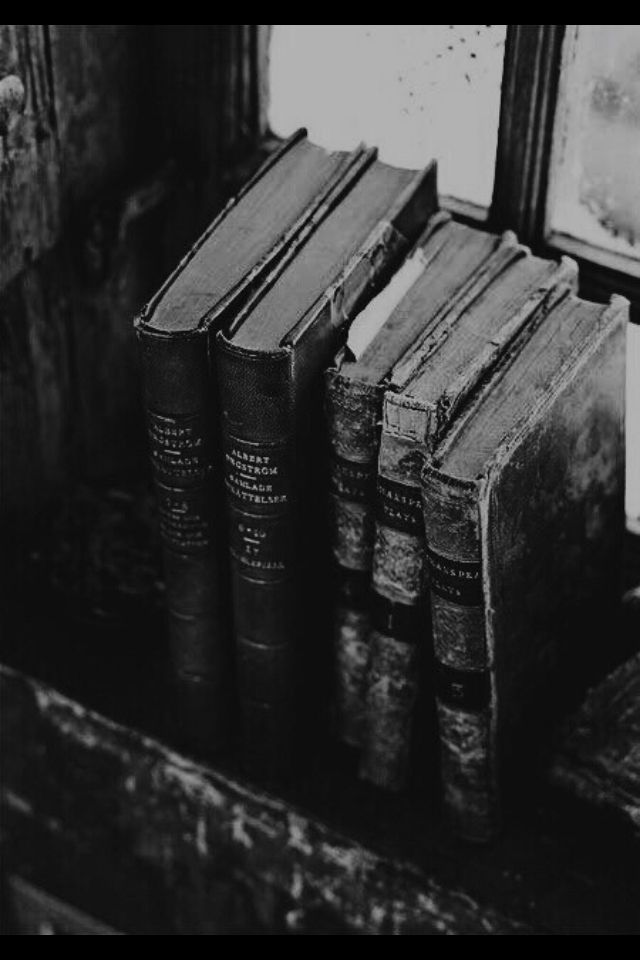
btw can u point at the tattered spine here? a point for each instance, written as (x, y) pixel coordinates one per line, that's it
(411, 429)
(529, 544)
(462, 676)
(445, 263)
(353, 417)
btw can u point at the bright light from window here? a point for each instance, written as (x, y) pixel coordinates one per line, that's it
(415, 91)
(595, 194)
(594, 197)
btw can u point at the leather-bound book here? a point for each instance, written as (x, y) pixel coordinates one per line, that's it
(270, 359)
(447, 260)
(254, 234)
(425, 392)
(524, 517)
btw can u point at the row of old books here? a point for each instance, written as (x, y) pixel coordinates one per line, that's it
(387, 449)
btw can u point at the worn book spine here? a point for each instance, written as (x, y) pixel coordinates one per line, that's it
(397, 647)
(258, 454)
(353, 425)
(400, 629)
(400, 572)
(180, 423)
(465, 695)
(401, 632)
(354, 415)
(351, 630)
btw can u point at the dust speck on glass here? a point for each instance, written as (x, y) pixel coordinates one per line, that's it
(416, 91)
(596, 190)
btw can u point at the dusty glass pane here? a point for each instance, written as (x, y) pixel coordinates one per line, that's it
(416, 91)
(595, 193)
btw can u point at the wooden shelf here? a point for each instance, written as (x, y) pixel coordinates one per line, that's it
(109, 806)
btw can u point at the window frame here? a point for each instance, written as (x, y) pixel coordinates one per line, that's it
(531, 83)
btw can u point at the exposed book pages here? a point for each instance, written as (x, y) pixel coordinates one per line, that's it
(368, 323)
(256, 231)
(426, 390)
(598, 760)
(446, 261)
(270, 360)
(523, 511)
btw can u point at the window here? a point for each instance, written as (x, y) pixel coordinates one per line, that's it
(535, 127)
(595, 192)
(386, 84)
(593, 203)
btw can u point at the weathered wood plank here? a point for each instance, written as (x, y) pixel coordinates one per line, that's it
(20, 463)
(116, 263)
(85, 124)
(80, 269)
(29, 192)
(108, 107)
(102, 87)
(527, 108)
(222, 855)
(37, 418)
(70, 391)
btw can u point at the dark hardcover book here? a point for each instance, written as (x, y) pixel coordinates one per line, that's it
(270, 361)
(255, 233)
(426, 391)
(448, 258)
(524, 516)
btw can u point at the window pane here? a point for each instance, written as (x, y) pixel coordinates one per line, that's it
(595, 194)
(415, 91)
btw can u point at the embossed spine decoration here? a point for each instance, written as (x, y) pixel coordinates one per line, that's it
(180, 411)
(464, 695)
(258, 452)
(399, 620)
(353, 413)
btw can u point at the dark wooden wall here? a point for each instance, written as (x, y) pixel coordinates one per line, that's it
(124, 144)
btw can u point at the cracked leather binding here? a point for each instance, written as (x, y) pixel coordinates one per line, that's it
(524, 518)
(451, 255)
(426, 391)
(270, 367)
(175, 333)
